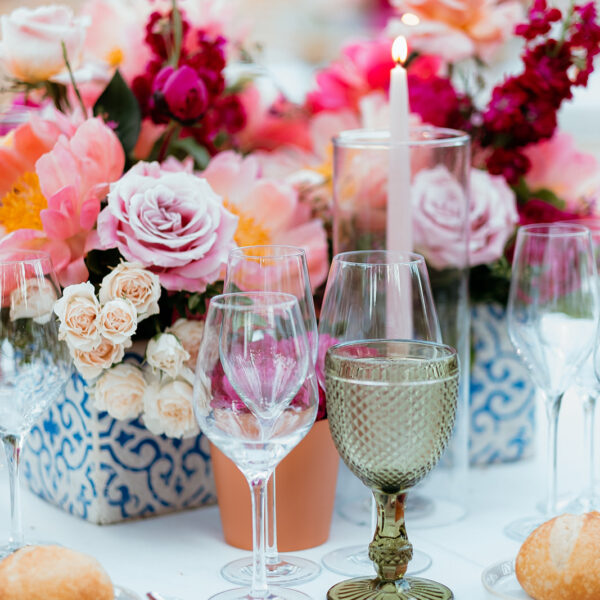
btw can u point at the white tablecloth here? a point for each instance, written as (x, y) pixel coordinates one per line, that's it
(181, 554)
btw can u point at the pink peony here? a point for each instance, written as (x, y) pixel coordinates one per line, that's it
(269, 211)
(573, 176)
(73, 178)
(458, 29)
(173, 223)
(439, 209)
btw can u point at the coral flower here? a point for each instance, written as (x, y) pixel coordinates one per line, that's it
(60, 199)
(268, 211)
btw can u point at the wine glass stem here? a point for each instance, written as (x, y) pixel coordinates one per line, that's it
(12, 446)
(552, 412)
(272, 555)
(589, 416)
(258, 488)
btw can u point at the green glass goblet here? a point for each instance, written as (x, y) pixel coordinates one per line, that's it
(391, 406)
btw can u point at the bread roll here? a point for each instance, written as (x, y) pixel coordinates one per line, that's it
(53, 573)
(560, 560)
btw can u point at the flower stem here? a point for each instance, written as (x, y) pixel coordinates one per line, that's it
(177, 34)
(72, 78)
(172, 129)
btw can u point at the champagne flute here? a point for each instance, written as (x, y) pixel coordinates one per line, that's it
(255, 397)
(391, 406)
(275, 268)
(34, 365)
(375, 294)
(552, 321)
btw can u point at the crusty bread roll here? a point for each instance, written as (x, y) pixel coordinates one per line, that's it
(560, 560)
(53, 573)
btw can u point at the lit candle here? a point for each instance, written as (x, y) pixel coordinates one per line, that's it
(399, 218)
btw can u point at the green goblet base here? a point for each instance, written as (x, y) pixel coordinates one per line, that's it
(408, 588)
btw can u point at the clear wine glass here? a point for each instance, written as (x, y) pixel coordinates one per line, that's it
(552, 321)
(34, 365)
(255, 397)
(274, 268)
(391, 406)
(375, 294)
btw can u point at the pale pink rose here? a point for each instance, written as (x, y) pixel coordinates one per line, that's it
(74, 178)
(35, 300)
(166, 353)
(168, 409)
(138, 285)
(91, 363)
(558, 166)
(493, 217)
(174, 224)
(31, 41)
(458, 29)
(269, 211)
(120, 391)
(78, 311)
(189, 333)
(117, 320)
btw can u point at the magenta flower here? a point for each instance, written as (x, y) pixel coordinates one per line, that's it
(179, 93)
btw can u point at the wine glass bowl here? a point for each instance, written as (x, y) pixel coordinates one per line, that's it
(391, 409)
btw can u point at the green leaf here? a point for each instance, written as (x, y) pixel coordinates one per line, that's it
(183, 147)
(118, 103)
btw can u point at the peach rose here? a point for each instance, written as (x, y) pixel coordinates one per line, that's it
(165, 352)
(31, 41)
(91, 363)
(168, 409)
(120, 391)
(132, 281)
(117, 320)
(33, 301)
(78, 311)
(189, 333)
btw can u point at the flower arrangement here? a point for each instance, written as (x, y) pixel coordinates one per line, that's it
(143, 161)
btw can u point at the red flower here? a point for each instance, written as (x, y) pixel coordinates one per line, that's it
(539, 211)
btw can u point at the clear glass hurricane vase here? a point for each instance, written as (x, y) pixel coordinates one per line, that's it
(255, 397)
(34, 364)
(552, 321)
(274, 268)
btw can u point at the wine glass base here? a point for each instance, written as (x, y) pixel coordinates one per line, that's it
(7, 549)
(358, 512)
(520, 529)
(443, 512)
(583, 504)
(274, 593)
(289, 570)
(354, 560)
(409, 588)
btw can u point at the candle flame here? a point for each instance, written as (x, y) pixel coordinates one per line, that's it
(400, 50)
(410, 19)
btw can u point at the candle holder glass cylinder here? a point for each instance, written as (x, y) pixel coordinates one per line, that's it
(414, 195)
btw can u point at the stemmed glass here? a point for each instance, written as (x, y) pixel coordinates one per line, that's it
(255, 397)
(552, 321)
(275, 268)
(374, 295)
(34, 365)
(391, 408)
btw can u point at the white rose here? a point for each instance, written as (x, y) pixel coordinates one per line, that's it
(168, 409)
(120, 391)
(91, 363)
(166, 353)
(117, 320)
(78, 311)
(31, 41)
(189, 333)
(132, 281)
(35, 300)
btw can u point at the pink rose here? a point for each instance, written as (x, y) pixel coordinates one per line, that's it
(31, 41)
(439, 205)
(174, 224)
(179, 93)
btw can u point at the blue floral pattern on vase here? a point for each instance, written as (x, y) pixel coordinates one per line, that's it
(502, 411)
(104, 470)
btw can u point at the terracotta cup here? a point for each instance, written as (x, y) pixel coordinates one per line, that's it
(306, 480)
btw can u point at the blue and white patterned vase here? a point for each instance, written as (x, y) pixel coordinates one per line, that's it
(104, 470)
(502, 407)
